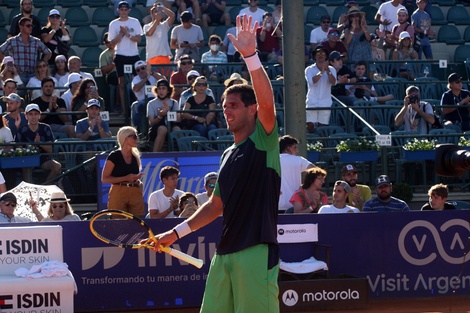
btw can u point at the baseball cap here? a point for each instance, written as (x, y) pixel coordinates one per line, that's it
(139, 63)
(60, 57)
(454, 77)
(402, 10)
(404, 35)
(123, 4)
(32, 106)
(54, 12)
(163, 82)
(209, 176)
(320, 48)
(343, 184)
(382, 180)
(333, 30)
(73, 78)
(9, 196)
(186, 16)
(348, 168)
(12, 97)
(8, 59)
(334, 55)
(93, 102)
(193, 73)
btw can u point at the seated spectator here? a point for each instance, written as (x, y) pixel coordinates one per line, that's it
(8, 205)
(188, 204)
(50, 103)
(214, 56)
(213, 12)
(192, 75)
(15, 118)
(56, 36)
(74, 64)
(340, 195)
(377, 53)
(145, 77)
(9, 70)
(36, 132)
(332, 43)
(164, 202)
(365, 91)
(405, 52)
(9, 87)
(42, 72)
(157, 110)
(209, 184)
(191, 6)
(5, 132)
(178, 79)
(204, 120)
(73, 84)
(92, 127)
(59, 209)
(345, 76)
(438, 199)
(60, 68)
(86, 91)
(268, 38)
(384, 202)
(187, 38)
(458, 98)
(320, 33)
(309, 198)
(417, 115)
(359, 193)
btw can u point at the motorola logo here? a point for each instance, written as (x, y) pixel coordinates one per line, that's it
(290, 297)
(280, 231)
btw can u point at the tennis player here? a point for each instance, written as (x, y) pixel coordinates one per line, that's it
(243, 273)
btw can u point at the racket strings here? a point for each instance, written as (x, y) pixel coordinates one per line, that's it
(120, 231)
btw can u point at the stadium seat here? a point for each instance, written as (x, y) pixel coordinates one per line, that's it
(136, 13)
(13, 13)
(11, 3)
(233, 3)
(3, 21)
(466, 34)
(193, 143)
(93, 3)
(44, 3)
(314, 14)
(233, 12)
(307, 30)
(85, 36)
(43, 14)
(337, 12)
(3, 34)
(437, 16)
(458, 15)
(90, 56)
(370, 12)
(174, 135)
(461, 53)
(334, 2)
(444, 2)
(450, 35)
(77, 17)
(69, 3)
(102, 16)
(363, 2)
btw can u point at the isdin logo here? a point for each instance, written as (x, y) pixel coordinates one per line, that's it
(290, 297)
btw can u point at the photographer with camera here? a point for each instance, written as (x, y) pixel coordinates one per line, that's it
(417, 115)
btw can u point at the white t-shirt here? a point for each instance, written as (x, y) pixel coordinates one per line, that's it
(70, 217)
(292, 167)
(202, 198)
(257, 15)
(5, 135)
(317, 35)
(191, 35)
(140, 95)
(330, 208)
(388, 11)
(67, 97)
(157, 44)
(125, 47)
(319, 94)
(65, 78)
(34, 82)
(158, 201)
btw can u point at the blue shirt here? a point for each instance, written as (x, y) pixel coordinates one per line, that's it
(394, 205)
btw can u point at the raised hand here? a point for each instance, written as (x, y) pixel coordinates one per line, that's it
(245, 42)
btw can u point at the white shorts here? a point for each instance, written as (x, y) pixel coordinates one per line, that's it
(319, 116)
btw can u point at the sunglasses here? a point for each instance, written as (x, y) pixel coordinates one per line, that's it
(141, 69)
(192, 77)
(134, 136)
(54, 206)
(458, 82)
(54, 16)
(10, 204)
(211, 185)
(334, 34)
(201, 84)
(355, 15)
(326, 22)
(28, 25)
(186, 63)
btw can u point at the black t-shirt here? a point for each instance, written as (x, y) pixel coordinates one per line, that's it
(447, 206)
(44, 106)
(121, 168)
(56, 45)
(461, 116)
(15, 28)
(340, 89)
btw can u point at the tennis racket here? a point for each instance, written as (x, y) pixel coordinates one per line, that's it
(125, 230)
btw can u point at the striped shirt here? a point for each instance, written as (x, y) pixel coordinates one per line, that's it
(394, 205)
(208, 57)
(25, 55)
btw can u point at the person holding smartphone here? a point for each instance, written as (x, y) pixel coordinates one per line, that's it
(56, 36)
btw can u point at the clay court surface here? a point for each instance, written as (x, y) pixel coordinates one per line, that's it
(423, 305)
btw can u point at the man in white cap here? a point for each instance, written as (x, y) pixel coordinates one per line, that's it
(74, 64)
(191, 77)
(341, 190)
(36, 132)
(16, 119)
(209, 184)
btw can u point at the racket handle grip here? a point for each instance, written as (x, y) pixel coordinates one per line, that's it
(183, 256)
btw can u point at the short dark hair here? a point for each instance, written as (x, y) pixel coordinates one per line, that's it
(360, 63)
(105, 37)
(10, 80)
(439, 190)
(246, 92)
(311, 175)
(46, 80)
(24, 20)
(286, 141)
(167, 171)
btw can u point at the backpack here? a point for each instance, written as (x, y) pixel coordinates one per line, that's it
(437, 119)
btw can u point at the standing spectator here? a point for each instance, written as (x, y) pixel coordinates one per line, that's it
(50, 103)
(26, 10)
(187, 38)
(38, 132)
(74, 64)
(292, 167)
(228, 48)
(125, 33)
(320, 34)
(214, 56)
(9, 87)
(92, 127)
(254, 11)
(9, 70)
(73, 85)
(60, 68)
(15, 118)
(309, 197)
(387, 17)
(86, 91)
(357, 37)
(24, 49)
(203, 120)
(341, 191)
(56, 36)
(268, 44)
(402, 26)
(405, 52)
(163, 202)
(145, 77)
(320, 77)
(438, 199)
(333, 43)
(156, 33)
(108, 69)
(384, 202)
(209, 184)
(178, 79)
(35, 82)
(421, 21)
(417, 115)
(157, 110)
(122, 169)
(458, 98)
(131, 3)
(213, 12)
(359, 193)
